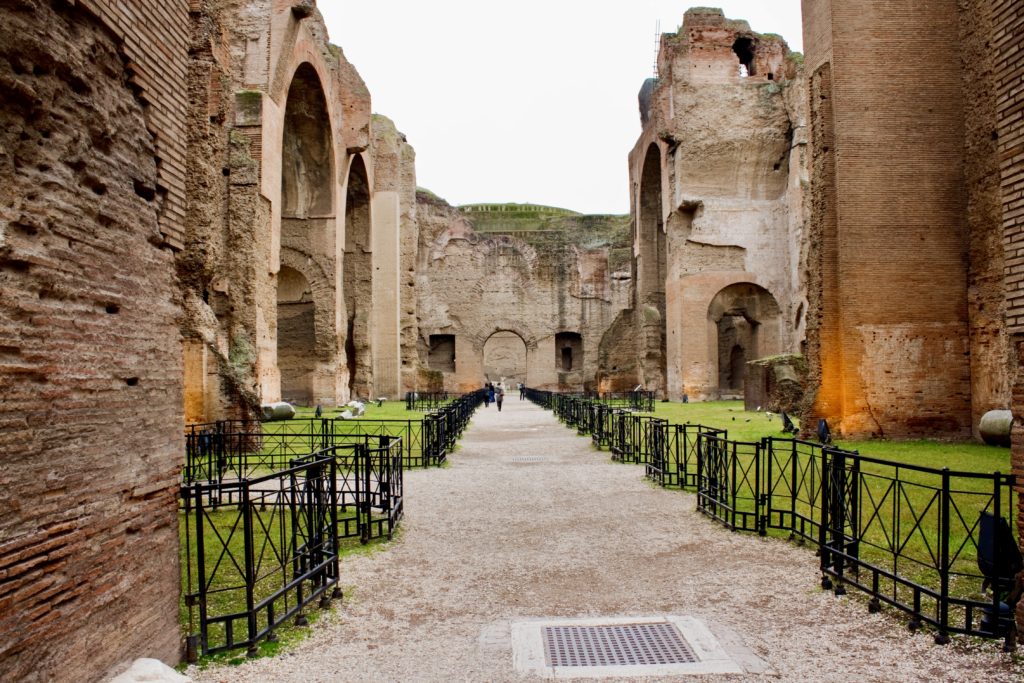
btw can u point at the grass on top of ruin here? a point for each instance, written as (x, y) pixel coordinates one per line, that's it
(964, 456)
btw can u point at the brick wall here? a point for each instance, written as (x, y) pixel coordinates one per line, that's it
(992, 360)
(1007, 18)
(155, 39)
(900, 365)
(90, 359)
(1008, 26)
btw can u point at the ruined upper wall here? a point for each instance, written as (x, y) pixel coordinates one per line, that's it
(717, 179)
(553, 274)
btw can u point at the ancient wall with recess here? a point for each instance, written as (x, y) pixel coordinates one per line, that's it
(554, 279)
(897, 350)
(88, 336)
(717, 181)
(282, 177)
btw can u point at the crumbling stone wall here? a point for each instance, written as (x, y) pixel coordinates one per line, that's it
(90, 357)
(509, 278)
(279, 123)
(717, 178)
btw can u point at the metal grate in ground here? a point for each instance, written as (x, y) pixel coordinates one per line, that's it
(528, 458)
(616, 645)
(620, 647)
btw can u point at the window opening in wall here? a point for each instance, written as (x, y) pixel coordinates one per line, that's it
(568, 349)
(441, 355)
(744, 49)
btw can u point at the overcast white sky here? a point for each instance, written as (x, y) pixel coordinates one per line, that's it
(528, 101)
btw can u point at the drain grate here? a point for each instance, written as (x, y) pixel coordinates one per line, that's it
(616, 645)
(528, 458)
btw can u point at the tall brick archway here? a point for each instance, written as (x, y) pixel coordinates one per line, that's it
(304, 356)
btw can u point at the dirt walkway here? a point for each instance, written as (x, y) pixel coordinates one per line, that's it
(529, 521)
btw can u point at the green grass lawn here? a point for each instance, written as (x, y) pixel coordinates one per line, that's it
(966, 456)
(899, 509)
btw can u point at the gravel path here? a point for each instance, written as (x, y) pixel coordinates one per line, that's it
(489, 541)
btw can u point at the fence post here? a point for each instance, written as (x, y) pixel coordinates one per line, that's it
(793, 490)
(826, 494)
(942, 636)
(762, 485)
(334, 538)
(732, 486)
(250, 572)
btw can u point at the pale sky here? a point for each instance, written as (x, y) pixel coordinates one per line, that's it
(529, 101)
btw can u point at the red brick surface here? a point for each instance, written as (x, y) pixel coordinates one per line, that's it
(154, 36)
(90, 359)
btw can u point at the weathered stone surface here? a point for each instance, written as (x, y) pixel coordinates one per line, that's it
(90, 357)
(995, 427)
(717, 179)
(525, 293)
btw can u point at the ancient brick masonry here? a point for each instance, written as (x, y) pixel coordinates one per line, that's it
(1007, 22)
(717, 204)
(90, 357)
(892, 320)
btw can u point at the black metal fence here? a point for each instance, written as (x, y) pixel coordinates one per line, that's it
(907, 536)
(234, 449)
(266, 505)
(252, 565)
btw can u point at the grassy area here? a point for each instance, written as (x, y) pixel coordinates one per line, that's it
(748, 426)
(898, 518)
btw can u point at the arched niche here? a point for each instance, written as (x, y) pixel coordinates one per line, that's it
(748, 322)
(505, 358)
(650, 229)
(358, 280)
(307, 151)
(296, 336)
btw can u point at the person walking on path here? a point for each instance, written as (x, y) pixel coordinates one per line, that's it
(522, 391)
(490, 395)
(499, 396)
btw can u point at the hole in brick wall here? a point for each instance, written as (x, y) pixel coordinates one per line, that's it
(45, 134)
(776, 167)
(112, 309)
(744, 49)
(995, 135)
(771, 77)
(143, 190)
(131, 381)
(96, 185)
(206, 296)
(225, 171)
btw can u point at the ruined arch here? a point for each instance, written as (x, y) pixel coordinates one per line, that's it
(307, 149)
(650, 229)
(505, 358)
(747, 322)
(357, 279)
(651, 272)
